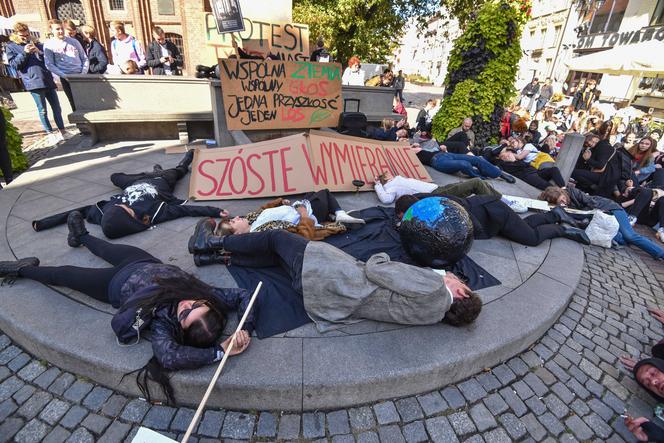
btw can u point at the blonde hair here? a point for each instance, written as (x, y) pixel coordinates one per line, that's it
(53, 21)
(551, 194)
(89, 30)
(69, 24)
(117, 24)
(19, 27)
(387, 123)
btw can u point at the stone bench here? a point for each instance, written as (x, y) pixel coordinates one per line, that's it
(141, 107)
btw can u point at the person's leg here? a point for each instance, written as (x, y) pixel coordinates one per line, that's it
(122, 180)
(516, 229)
(52, 97)
(67, 89)
(39, 96)
(113, 253)
(535, 180)
(486, 168)
(657, 179)
(585, 179)
(474, 186)
(554, 174)
(323, 204)
(630, 237)
(447, 163)
(543, 218)
(642, 198)
(92, 282)
(5, 159)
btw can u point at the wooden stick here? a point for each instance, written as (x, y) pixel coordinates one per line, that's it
(217, 373)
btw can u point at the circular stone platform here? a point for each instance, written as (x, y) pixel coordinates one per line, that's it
(298, 370)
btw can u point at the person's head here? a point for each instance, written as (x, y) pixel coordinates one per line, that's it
(385, 177)
(354, 63)
(646, 147)
(655, 135)
(400, 73)
(555, 195)
(629, 139)
(387, 124)
(118, 29)
(535, 81)
(320, 43)
(517, 142)
(70, 28)
(467, 124)
(547, 81)
(22, 32)
(431, 103)
(507, 155)
(568, 110)
(466, 304)
(534, 125)
(120, 220)
(402, 133)
(235, 225)
(592, 84)
(605, 129)
(130, 67)
(527, 138)
(159, 35)
(649, 373)
(88, 32)
(56, 28)
(591, 140)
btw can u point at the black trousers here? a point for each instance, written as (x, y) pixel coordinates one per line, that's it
(530, 231)
(641, 209)
(323, 204)
(586, 180)
(93, 282)
(543, 177)
(5, 160)
(269, 248)
(66, 87)
(657, 179)
(459, 143)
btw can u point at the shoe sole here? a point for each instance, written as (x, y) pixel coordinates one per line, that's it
(192, 239)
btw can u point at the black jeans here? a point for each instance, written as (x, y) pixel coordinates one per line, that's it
(586, 180)
(171, 176)
(657, 179)
(645, 214)
(542, 178)
(269, 248)
(93, 282)
(5, 160)
(530, 231)
(323, 204)
(66, 87)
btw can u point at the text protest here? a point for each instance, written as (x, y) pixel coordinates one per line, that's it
(289, 41)
(279, 94)
(298, 164)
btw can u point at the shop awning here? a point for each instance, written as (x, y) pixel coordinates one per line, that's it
(640, 59)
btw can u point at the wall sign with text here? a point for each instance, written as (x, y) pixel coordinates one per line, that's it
(297, 164)
(279, 94)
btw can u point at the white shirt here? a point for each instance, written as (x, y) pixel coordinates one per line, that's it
(398, 186)
(167, 65)
(351, 78)
(285, 213)
(532, 152)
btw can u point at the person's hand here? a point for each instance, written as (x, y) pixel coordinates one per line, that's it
(634, 426)
(164, 59)
(629, 183)
(586, 154)
(30, 47)
(637, 172)
(285, 202)
(234, 43)
(628, 362)
(242, 340)
(376, 180)
(657, 314)
(224, 213)
(443, 148)
(416, 149)
(401, 122)
(470, 153)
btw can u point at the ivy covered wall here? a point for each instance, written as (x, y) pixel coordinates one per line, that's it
(14, 144)
(482, 70)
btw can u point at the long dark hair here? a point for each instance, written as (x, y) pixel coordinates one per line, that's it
(203, 333)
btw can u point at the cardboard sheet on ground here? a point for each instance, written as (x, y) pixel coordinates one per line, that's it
(297, 164)
(530, 202)
(269, 94)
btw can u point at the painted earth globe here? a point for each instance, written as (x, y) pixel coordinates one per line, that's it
(435, 230)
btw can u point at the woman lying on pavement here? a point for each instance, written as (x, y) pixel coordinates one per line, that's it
(185, 316)
(470, 165)
(491, 216)
(337, 288)
(577, 199)
(539, 178)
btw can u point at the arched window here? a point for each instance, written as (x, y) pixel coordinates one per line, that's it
(116, 5)
(70, 9)
(177, 40)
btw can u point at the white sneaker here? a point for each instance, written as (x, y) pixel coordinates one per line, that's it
(660, 234)
(632, 220)
(516, 206)
(343, 217)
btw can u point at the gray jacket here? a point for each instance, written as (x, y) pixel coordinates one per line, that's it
(337, 288)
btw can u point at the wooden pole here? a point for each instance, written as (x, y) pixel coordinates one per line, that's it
(217, 373)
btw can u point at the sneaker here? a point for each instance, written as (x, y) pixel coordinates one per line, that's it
(342, 217)
(516, 206)
(660, 234)
(632, 220)
(9, 269)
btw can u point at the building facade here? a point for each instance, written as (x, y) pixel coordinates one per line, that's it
(184, 21)
(426, 52)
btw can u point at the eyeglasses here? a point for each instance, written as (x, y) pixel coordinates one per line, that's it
(185, 313)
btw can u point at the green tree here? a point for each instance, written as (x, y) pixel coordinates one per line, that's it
(14, 144)
(369, 29)
(482, 68)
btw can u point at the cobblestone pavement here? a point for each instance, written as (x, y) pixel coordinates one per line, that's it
(567, 387)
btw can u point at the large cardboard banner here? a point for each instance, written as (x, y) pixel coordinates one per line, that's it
(290, 41)
(298, 164)
(267, 94)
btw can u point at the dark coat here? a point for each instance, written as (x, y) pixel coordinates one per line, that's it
(154, 55)
(30, 67)
(97, 56)
(581, 200)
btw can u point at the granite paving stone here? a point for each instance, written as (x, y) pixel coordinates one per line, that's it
(210, 424)
(54, 411)
(159, 417)
(415, 432)
(337, 422)
(18, 362)
(386, 413)
(579, 428)
(73, 417)
(496, 404)
(409, 409)
(453, 397)
(47, 377)
(34, 405)
(7, 408)
(115, 432)
(96, 398)
(368, 437)
(462, 423)
(9, 427)
(96, 423)
(266, 427)
(361, 418)
(114, 405)
(440, 430)
(23, 394)
(432, 403)
(513, 425)
(313, 425)
(31, 371)
(57, 435)
(472, 390)
(482, 417)
(81, 435)
(497, 436)
(347, 438)
(289, 427)
(34, 431)
(390, 433)
(78, 391)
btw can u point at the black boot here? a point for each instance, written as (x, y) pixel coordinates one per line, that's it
(212, 259)
(508, 178)
(204, 239)
(76, 226)
(9, 269)
(576, 234)
(188, 158)
(157, 168)
(564, 217)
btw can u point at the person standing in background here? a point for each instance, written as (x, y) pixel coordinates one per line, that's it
(163, 56)
(399, 84)
(72, 31)
(125, 47)
(94, 51)
(546, 92)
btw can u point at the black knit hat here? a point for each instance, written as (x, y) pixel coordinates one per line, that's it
(116, 223)
(656, 362)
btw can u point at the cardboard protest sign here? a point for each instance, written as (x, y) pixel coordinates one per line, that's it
(289, 41)
(297, 164)
(267, 94)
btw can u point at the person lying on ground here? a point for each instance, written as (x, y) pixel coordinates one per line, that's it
(147, 199)
(469, 165)
(491, 216)
(539, 178)
(337, 288)
(576, 199)
(185, 316)
(528, 153)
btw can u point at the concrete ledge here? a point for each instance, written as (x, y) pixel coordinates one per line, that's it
(299, 370)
